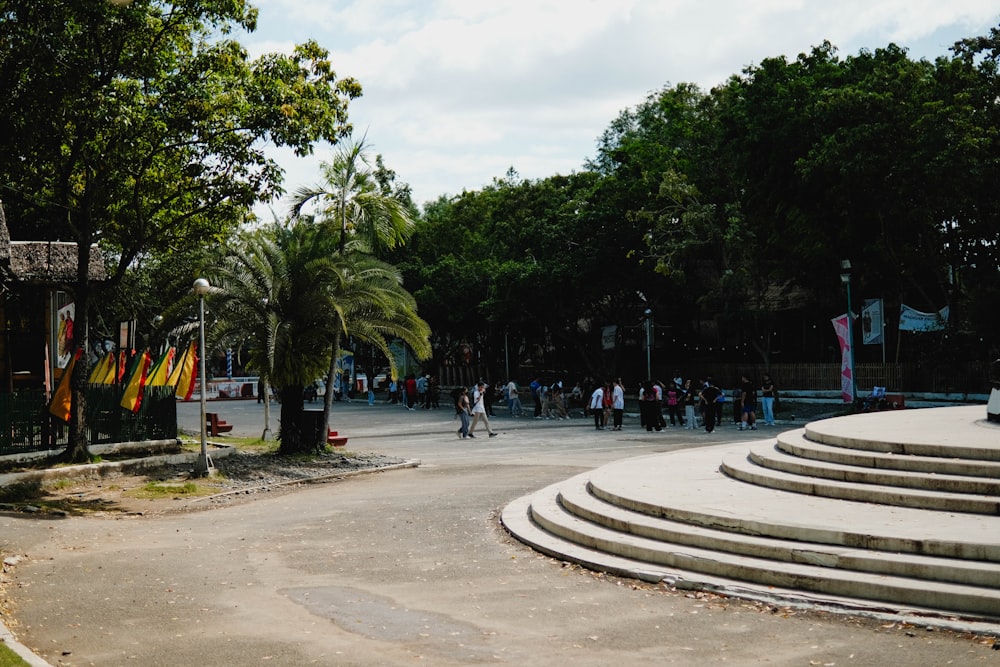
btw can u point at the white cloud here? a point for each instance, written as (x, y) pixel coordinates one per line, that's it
(457, 91)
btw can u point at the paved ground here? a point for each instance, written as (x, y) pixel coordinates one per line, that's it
(401, 568)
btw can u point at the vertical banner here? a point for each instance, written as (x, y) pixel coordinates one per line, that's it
(871, 322)
(840, 326)
(64, 337)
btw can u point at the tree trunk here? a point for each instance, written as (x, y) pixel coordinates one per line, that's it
(78, 449)
(292, 436)
(331, 377)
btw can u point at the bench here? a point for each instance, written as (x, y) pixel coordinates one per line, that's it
(334, 439)
(215, 425)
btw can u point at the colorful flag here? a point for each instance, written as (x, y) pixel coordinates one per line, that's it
(840, 326)
(122, 358)
(132, 398)
(160, 371)
(103, 370)
(183, 375)
(62, 399)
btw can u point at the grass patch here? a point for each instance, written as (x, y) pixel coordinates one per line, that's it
(10, 659)
(160, 490)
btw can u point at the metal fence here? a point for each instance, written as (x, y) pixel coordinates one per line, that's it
(944, 378)
(27, 426)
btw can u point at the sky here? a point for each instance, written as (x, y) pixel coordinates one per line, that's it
(457, 92)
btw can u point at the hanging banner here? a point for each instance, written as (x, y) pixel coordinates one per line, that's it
(911, 319)
(64, 337)
(840, 326)
(871, 322)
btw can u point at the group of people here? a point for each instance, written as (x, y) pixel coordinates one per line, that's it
(684, 400)
(681, 401)
(414, 391)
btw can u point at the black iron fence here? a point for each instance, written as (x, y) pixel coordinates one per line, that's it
(945, 378)
(27, 426)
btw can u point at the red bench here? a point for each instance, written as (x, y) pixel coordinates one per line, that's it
(215, 425)
(334, 439)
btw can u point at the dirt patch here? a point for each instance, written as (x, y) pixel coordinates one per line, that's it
(241, 477)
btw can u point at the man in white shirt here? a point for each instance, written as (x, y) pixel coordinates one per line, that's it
(597, 407)
(513, 400)
(618, 403)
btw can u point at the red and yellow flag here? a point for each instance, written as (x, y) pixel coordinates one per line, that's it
(132, 398)
(183, 375)
(160, 371)
(62, 399)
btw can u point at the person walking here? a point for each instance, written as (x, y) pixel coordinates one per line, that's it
(767, 395)
(422, 391)
(513, 399)
(709, 400)
(479, 410)
(462, 410)
(618, 403)
(748, 418)
(535, 386)
(690, 401)
(674, 407)
(597, 407)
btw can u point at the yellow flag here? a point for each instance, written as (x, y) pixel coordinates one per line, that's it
(132, 398)
(62, 399)
(103, 370)
(183, 375)
(160, 371)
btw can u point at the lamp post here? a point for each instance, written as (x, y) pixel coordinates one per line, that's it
(203, 467)
(845, 278)
(647, 315)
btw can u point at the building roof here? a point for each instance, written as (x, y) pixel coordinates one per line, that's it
(44, 262)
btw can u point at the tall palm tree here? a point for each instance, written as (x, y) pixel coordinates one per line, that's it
(287, 296)
(274, 296)
(353, 205)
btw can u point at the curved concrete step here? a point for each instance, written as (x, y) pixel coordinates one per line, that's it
(775, 458)
(554, 519)
(796, 444)
(744, 469)
(688, 487)
(579, 502)
(951, 432)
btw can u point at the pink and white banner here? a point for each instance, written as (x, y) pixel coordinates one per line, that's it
(840, 326)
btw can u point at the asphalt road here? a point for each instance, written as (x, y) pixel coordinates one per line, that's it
(401, 568)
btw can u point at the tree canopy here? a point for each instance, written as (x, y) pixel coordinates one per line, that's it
(141, 126)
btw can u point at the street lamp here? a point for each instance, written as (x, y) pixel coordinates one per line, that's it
(203, 467)
(648, 316)
(845, 278)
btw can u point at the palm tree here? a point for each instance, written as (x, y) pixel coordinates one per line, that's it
(274, 298)
(359, 208)
(288, 297)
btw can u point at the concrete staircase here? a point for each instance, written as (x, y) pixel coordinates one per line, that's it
(893, 511)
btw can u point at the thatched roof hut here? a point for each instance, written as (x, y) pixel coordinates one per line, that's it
(43, 262)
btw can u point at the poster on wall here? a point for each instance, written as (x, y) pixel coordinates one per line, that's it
(64, 335)
(871, 322)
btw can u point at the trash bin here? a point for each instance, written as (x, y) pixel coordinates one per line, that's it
(312, 426)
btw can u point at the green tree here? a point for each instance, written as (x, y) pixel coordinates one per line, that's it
(141, 126)
(356, 203)
(285, 295)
